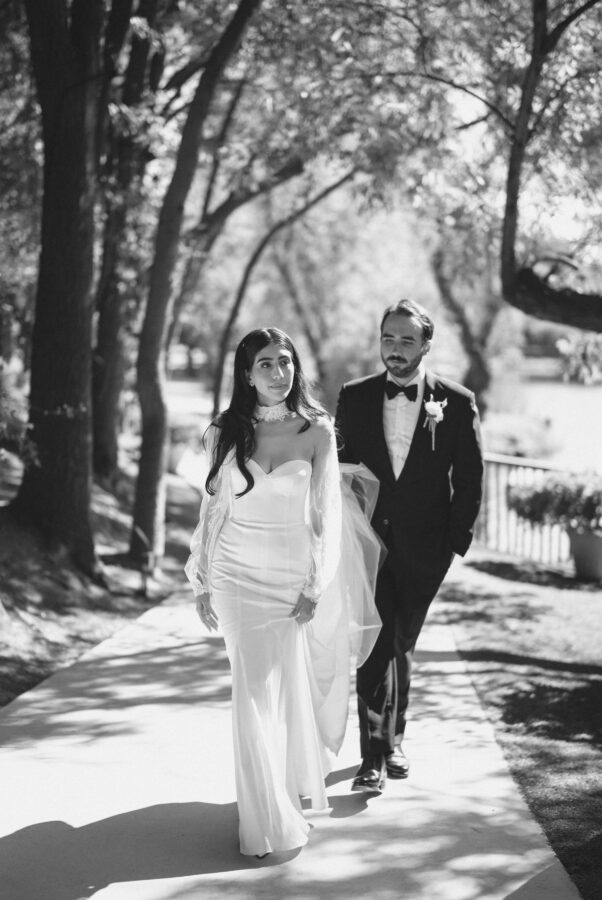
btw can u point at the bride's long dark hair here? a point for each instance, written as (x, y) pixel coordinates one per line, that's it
(236, 425)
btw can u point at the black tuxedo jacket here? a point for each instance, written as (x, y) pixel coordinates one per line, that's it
(429, 511)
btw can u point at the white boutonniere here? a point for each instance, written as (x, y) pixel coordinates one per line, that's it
(434, 415)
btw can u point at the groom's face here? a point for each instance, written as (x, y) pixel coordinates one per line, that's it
(402, 346)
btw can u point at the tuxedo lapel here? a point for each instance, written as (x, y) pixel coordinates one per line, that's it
(375, 426)
(420, 446)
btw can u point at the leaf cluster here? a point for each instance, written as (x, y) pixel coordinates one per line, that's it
(571, 500)
(20, 171)
(581, 358)
(478, 54)
(14, 431)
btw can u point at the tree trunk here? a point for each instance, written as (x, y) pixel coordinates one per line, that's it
(149, 502)
(6, 334)
(110, 363)
(519, 146)
(55, 495)
(478, 374)
(193, 270)
(109, 353)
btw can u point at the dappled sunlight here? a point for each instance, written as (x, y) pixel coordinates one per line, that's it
(428, 853)
(517, 604)
(535, 662)
(144, 719)
(558, 711)
(101, 695)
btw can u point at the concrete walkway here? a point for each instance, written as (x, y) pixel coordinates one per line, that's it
(116, 782)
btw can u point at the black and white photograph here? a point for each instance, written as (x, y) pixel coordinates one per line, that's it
(300, 450)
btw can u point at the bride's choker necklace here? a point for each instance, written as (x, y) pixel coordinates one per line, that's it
(276, 413)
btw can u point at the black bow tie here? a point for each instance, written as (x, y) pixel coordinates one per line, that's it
(392, 390)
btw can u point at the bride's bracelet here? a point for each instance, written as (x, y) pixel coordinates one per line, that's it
(310, 594)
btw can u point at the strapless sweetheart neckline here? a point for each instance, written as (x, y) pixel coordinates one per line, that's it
(275, 469)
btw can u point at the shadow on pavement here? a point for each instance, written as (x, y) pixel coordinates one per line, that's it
(518, 659)
(529, 572)
(346, 805)
(340, 775)
(165, 841)
(55, 861)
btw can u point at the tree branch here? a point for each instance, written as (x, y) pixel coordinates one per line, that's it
(534, 296)
(556, 261)
(557, 32)
(221, 140)
(478, 121)
(239, 197)
(278, 226)
(313, 334)
(555, 96)
(188, 70)
(248, 271)
(429, 76)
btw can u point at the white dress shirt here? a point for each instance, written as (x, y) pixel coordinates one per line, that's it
(400, 417)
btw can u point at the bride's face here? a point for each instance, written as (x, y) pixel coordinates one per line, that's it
(272, 375)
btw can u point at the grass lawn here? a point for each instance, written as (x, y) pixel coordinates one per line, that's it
(532, 641)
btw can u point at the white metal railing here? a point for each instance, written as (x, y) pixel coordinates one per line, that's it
(499, 528)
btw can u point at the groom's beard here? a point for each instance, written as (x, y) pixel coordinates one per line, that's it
(401, 371)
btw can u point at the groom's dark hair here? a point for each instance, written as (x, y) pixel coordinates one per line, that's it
(412, 310)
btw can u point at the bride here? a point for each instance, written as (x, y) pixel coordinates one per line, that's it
(290, 580)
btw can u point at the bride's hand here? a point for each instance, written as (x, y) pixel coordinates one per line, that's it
(304, 609)
(206, 612)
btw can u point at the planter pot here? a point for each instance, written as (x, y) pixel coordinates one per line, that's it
(586, 549)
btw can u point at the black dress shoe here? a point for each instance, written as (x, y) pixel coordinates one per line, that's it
(397, 764)
(371, 775)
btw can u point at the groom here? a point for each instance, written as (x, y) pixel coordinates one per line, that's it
(419, 434)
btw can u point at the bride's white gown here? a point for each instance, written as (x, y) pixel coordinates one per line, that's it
(300, 528)
(260, 564)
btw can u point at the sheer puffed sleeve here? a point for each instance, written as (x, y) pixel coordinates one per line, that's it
(324, 513)
(214, 510)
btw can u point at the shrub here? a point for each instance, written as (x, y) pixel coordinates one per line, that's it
(570, 500)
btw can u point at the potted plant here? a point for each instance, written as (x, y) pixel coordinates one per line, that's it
(574, 501)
